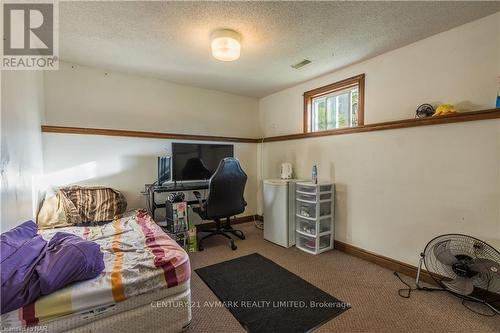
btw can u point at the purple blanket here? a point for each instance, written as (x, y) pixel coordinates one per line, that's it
(31, 267)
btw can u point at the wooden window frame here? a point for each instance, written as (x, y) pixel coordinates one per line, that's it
(358, 80)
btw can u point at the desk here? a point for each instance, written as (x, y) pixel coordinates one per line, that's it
(151, 189)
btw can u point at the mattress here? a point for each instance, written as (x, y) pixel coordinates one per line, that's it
(173, 304)
(145, 319)
(141, 264)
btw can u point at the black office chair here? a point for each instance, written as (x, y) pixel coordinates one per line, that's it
(224, 199)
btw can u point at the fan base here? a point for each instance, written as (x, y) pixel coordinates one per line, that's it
(465, 297)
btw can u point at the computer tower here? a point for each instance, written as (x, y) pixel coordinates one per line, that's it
(176, 216)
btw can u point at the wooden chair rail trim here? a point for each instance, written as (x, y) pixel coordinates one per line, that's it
(406, 123)
(142, 134)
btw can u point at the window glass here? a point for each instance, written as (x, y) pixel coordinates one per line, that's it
(335, 110)
(334, 106)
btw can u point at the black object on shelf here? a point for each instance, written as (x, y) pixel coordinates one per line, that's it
(424, 111)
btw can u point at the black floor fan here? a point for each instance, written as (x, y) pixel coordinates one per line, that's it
(465, 266)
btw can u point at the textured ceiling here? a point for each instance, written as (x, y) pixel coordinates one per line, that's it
(171, 40)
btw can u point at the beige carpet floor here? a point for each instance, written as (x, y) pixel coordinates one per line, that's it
(371, 289)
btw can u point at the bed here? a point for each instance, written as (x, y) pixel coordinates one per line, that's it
(145, 284)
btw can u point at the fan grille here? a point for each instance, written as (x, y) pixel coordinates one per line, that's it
(448, 258)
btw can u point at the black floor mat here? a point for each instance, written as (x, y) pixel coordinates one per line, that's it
(265, 297)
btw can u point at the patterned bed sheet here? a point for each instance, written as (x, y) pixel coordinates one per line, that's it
(138, 257)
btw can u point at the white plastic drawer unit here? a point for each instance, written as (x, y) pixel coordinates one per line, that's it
(314, 216)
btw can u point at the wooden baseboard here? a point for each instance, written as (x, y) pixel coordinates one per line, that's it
(238, 220)
(244, 219)
(386, 262)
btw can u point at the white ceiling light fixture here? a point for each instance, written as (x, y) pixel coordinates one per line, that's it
(226, 45)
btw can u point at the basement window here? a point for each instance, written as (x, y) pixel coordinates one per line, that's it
(337, 105)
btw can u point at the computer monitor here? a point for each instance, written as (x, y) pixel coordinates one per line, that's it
(194, 161)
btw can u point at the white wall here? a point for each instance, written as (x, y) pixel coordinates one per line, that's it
(459, 66)
(126, 163)
(397, 189)
(21, 146)
(86, 97)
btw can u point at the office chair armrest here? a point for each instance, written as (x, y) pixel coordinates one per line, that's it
(200, 200)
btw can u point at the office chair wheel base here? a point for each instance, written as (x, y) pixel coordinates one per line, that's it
(233, 247)
(237, 233)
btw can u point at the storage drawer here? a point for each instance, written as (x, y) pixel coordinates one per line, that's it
(313, 197)
(305, 209)
(308, 210)
(309, 227)
(325, 208)
(325, 188)
(306, 188)
(306, 197)
(325, 196)
(314, 188)
(309, 243)
(306, 242)
(325, 225)
(306, 226)
(325, 242)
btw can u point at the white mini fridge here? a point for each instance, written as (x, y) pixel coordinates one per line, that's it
(279, 211)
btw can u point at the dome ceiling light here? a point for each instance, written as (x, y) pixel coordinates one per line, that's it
(225, 45)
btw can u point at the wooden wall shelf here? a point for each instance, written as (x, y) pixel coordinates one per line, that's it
(142, 134)
(455, 118)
